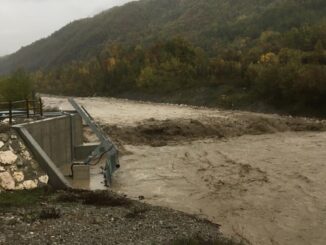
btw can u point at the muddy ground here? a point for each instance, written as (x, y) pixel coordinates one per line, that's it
(260, 176)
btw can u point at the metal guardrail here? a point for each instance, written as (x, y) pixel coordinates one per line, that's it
(23, 108)
(106, 146)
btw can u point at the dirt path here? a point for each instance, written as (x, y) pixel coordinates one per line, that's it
(254, 174)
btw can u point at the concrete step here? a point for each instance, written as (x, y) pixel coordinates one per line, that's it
(84, 150)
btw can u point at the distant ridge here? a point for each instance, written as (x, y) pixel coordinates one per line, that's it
(203, 22)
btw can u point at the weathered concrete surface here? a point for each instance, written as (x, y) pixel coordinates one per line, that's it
(52, 142)
(57, 137)
(83, 151)
(56, 143)
(56, 178)
(81, 172)
(95, 181)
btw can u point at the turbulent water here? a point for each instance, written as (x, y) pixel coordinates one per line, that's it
(261, 177)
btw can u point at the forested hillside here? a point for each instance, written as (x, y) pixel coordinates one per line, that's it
(234, 53)
(210, 24)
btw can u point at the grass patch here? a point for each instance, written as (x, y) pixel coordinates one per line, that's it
(31, 197)
(23, 197)
(96, 198)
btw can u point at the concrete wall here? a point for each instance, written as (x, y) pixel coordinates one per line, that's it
(57, 137)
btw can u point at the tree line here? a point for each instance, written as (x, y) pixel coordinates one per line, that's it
(284, 70)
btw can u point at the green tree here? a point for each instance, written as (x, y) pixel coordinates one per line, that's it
(17, 86)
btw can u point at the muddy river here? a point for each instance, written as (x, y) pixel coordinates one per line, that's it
(261, 177)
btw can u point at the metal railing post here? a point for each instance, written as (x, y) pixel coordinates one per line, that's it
(10, 112)
(41, 107)
(34, 107)
(27, 108)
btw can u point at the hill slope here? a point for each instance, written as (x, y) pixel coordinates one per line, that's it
(207, 23)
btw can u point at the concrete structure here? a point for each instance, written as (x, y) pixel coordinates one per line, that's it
(81, 172)
(54, 142)
(56, 178)
(84, 150)
(58, 136)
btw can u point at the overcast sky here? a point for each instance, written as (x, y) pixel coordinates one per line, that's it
(25, 21)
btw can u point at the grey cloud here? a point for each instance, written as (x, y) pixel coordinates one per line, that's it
(25, 21)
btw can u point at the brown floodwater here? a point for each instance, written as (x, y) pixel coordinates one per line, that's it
(265, 185)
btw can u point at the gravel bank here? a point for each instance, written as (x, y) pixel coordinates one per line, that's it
(97, 218)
